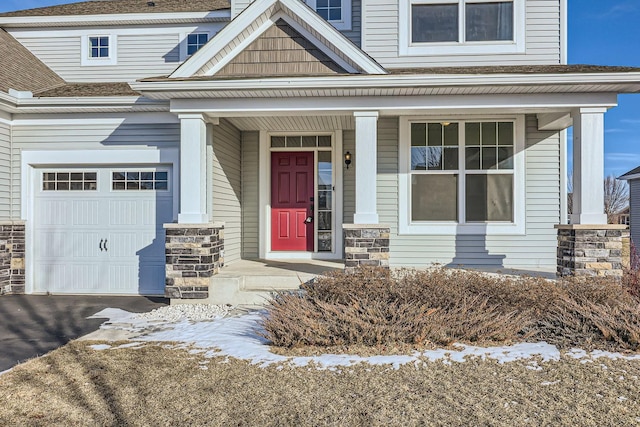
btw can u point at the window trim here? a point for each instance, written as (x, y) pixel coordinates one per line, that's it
(183, 43)
(407, 227)
(408, 48)
(343, 24)
(85, 58)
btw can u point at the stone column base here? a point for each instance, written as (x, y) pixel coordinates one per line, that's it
(589, 250)
(194, 252)
(12, 261)
(366, 245)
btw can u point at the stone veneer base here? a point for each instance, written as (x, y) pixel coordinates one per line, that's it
(12, 261)
(366, 245)
(589, 250)
(194, 253)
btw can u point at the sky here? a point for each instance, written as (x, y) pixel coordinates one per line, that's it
(601, 32)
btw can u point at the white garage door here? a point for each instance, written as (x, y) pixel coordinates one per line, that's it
(99, 230)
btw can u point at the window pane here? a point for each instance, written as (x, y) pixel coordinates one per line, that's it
(324, 242)
(489, 158)
(90, 176)
(161, 185)
(450, 158)
(472, 133)
(104, 52)
(434, 139)
(277, 141)
(418, 158)
(93, 41)
(294, 141)
(418, 134)
(451, 134)
(162, 176)
(505, 158)
(335, 14)
(308, 141)
(472, 158)
(434, 158)
(324, 200)
(505, 133)
(324, 141)
(324, 220)
(434, 23)
(489, 21)
(434, 197)
(322, 3)
(489, 198)
(489, 134)
(324, 14)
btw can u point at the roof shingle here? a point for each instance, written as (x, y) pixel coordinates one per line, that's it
(104, 7)
(21, 70)
(79, 90)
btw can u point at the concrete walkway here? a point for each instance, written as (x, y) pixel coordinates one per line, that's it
(32, 325)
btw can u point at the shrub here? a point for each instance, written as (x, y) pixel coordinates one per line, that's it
(631, 274)
(376, 307)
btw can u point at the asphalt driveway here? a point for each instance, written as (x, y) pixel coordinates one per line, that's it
(32, 325)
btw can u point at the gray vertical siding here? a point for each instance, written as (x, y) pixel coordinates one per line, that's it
(634, 211)
(85, 137)
(349, 178)
(380, 31)
(227, 194)
(536, 250)
(5, 170)
(250, 171)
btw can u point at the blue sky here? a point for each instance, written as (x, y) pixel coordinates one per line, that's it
(602, 32)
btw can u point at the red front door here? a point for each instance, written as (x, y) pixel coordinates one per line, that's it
(292, 201)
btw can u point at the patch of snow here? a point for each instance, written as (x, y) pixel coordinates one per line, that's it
(550, 382)
(241, 338)
(99, 347)
(6, 372)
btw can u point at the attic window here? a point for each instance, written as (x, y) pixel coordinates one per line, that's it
(337, 12)
(98, 50)
(195, 41)
(99, 47)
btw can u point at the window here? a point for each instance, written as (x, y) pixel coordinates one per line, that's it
(140, 180)
(462, 26)
(337, 12)
(98, 47)
(195, 42)
(69, 181)
(461, 177)
(98, 50)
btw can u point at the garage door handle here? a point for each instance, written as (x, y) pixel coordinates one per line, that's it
(105, 245)
(100, 245)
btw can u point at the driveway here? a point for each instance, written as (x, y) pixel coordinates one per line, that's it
(32, 325)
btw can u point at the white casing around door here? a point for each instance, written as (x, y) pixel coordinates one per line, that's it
(102, 241)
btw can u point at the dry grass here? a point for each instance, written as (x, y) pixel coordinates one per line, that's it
(162, 387)
(377, 308)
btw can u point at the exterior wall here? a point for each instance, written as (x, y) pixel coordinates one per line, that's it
(535, 250)
(12, 257)
(5, 168)
(140, 52)
(238, 6)
(227, 194)
(349, 178)
(380, 32)
(250, 221)
(98, 133)
(634, 211)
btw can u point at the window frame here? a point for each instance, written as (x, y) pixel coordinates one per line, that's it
(85, 45)
(184, 43)
(195, 33)
(409, 227)
(343, 24)
(408, 48)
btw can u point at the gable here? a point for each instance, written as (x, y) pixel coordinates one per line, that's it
(279, 51)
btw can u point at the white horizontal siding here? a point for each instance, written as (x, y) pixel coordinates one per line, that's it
(250, 220)
(380, 31)
(150, 54)
(86, 137)
(227, 187)
(535, 250)
(5, 171)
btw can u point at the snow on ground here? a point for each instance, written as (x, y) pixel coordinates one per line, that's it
(206, 330)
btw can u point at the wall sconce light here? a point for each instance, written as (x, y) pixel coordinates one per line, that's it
(347, 159)
(445, 124)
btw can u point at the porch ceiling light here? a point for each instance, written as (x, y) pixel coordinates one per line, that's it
(347, 159)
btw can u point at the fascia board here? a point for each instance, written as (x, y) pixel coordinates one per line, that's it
(81, 20)
(390, 81)
(251, 13)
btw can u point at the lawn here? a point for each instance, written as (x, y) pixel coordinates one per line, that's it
(161, 386)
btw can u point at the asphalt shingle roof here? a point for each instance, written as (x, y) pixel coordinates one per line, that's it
(21, 70)
(518, 69)
(78, 90)
(103, 7)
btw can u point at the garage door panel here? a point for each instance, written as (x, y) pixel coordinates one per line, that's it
(105, 240)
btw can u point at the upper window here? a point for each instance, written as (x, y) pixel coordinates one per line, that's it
(462, 173)
(462, 26)
(195, 42)
(337, 12)
(98, 50)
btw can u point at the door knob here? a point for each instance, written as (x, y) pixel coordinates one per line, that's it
(309, 220)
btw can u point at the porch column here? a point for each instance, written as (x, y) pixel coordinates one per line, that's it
(193, 169)
(588, 246)
(588, 166)
(366, 167)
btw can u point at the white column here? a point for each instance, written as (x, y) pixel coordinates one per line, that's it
(588, 166)
(193, 169)
(366, 159)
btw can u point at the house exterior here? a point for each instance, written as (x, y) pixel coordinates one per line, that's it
(145, 144)
(633, 211)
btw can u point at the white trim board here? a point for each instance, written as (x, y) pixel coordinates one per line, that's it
(83, 20)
